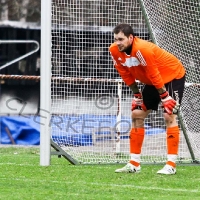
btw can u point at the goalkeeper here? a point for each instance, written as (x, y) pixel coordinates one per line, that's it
(163, 77)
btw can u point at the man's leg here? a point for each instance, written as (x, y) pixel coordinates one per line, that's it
(137, 133)
(175, 89)
(172, 138)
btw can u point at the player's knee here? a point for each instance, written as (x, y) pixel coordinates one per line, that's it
(137, 114)
(137, 118)
(169, 119)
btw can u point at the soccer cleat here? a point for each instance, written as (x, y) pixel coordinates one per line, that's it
(129, 168)
(168, 170)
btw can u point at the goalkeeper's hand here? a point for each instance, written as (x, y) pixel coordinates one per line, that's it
(168, 103)
(137, 102)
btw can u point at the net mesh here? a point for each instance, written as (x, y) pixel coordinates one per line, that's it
(92, 106)
(175, 27)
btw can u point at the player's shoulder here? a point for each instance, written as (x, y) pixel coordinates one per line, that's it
(141, 43)
(113, 46)
(113, 49)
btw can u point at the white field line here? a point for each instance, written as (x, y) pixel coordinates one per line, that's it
(103, 184)
(18, 164)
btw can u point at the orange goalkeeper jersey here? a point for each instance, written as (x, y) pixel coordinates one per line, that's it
(147, 63)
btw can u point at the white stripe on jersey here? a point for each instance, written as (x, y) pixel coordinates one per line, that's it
(141, 58)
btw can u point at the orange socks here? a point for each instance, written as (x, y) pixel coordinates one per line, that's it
(136, 141)
(172, 145)
(172, 140)
(135, 163)
(173, 164)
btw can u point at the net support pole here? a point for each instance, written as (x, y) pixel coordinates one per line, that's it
(147, 21)
(45, 83)
(119, 113)
(186, 137)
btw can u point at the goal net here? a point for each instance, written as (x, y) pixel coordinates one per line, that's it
(90, 111)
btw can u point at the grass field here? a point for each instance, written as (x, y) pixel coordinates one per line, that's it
(21, 177)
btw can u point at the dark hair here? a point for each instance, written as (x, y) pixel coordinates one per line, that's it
(124, 28)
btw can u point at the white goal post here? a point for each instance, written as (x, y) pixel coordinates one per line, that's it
(45, 83)
(89, 111)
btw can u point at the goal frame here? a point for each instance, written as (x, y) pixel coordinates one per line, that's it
(45, 91)
(45, 84)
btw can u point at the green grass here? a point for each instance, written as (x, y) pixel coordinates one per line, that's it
(21, 177)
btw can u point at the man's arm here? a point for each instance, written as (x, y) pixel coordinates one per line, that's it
(168, 103)
(137, 102)
(134, 88)
(161, 90)
(147, 59)
(123, 71)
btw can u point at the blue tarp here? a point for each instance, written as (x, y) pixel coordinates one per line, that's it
(24, 130)
(68, 129)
